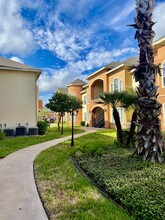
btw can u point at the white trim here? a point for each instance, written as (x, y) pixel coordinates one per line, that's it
(159, 41)
(163, 75)
(163, 113)
(116, 78)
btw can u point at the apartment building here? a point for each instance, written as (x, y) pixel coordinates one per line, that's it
(117, 76)
(18, 94)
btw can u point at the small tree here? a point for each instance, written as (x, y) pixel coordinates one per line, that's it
(125, 99)
(114, 99)
(74, 102)
(59, 103)
(130, 100)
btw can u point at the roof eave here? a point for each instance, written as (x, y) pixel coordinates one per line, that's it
(116, 68)
(96, 72)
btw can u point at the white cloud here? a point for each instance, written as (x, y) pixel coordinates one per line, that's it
(15, 37)
(51, 79)
(65, 42)
(159, 17)
(17, 59)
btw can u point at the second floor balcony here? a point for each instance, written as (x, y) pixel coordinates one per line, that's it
(97, 88)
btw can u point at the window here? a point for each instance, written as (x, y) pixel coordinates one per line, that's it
(116, 84)
(121, 115)
(73, 94)
(84, 100)
(112, 118)
(74, 118)
(120, 85)
(111, 87)
(85, 117)
(164, 74)
(163, 111)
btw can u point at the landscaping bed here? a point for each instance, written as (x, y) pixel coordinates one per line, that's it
(136, 185)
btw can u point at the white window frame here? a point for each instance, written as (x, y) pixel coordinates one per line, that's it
(121, 111)
(84, 100)
(163, 74)
(111, 88)
(163, 112)
(117, 90)
(120, 85)
(85, 116)
(111, 113)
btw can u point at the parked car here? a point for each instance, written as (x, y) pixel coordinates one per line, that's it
(51, 120)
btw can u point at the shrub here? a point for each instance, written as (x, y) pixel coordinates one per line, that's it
(42, 127)
(82, 123)
(2, 135)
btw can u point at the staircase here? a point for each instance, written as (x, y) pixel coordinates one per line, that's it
(99, 121)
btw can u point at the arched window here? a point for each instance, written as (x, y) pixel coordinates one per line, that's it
(164, 74)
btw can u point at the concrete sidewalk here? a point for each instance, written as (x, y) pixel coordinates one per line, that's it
(19, 199)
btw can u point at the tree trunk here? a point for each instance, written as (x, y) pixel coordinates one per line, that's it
(149, 136)
(62, 130)
(132, 127)
(118, 125)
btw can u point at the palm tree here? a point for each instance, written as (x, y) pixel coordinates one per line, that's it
(114, 99)
(149, 136)
(130, 100)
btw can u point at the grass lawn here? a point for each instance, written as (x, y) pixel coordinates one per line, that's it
(65, 192)
(9, 145)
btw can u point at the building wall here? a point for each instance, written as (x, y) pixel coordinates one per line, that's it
(95, 84)
(75, 91)
(159, 58)
(18, 99)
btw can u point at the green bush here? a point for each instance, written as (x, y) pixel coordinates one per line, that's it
(2, 135)
(136, 185)
(42, 127)
(82, 123)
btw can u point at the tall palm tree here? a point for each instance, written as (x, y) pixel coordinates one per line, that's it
(149, 136)
(114, 99)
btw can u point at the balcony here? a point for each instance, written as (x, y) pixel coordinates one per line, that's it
(97, 90)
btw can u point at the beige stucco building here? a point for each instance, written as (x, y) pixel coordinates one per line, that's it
(18, 94)
(117, 76)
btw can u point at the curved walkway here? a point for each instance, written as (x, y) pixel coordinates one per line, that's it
(19, 199)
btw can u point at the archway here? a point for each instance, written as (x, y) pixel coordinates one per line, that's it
(98, 117)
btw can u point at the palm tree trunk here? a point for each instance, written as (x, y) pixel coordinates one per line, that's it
(118, 125)
(132, 127)
(149, 137)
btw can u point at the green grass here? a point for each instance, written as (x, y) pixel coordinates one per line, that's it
(10, 145)
(137, 185)
(65, 192)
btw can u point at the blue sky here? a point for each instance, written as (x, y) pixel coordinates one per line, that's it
(70, 39)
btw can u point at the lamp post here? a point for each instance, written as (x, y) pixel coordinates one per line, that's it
(73, 113)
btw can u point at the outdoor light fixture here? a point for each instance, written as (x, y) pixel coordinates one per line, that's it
(73, 113)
